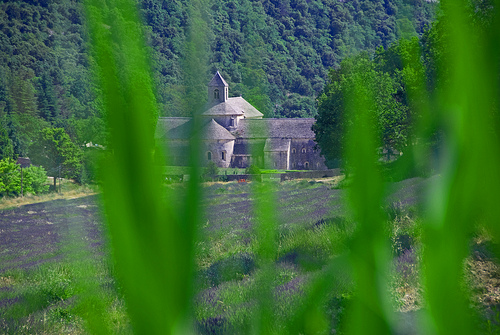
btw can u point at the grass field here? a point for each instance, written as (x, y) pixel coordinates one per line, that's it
(56, 268)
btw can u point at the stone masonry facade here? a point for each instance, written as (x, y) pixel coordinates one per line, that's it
(235, 134)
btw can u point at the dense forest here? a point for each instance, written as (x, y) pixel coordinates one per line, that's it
(275, 53)
(400, 84)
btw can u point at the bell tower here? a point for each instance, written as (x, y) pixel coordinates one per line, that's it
(218, 89)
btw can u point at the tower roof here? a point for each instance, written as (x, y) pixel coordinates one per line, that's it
(214, 131)
(217, 81)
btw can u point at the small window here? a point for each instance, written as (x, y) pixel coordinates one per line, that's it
(293, 165)
(317, 165)
(231, 123)
(223, 155)
(303, 150)
(209, 156)
(306, 165)
(293, 150)
(216, 94)
(275, 164)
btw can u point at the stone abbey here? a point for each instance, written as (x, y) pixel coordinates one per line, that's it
(235, 134)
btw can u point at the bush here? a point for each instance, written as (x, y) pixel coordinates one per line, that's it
(90, 171)
(34, 179)
(211, 170)
(252, 169)
(10, 178)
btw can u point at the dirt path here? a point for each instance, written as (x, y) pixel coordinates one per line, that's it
(34, 199)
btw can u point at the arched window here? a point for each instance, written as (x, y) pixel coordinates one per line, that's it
(293, 150)
(317, 165)
(306, 165)
(303, 150)
(216, 94)
(209, 155)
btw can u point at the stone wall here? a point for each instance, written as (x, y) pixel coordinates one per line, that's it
(310, 174)
(305, 156)
(276, 160)
(218, 151)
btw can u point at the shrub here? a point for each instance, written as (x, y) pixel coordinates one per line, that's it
(10, 178)
(34, 179)
(252, 169)
(211, 170)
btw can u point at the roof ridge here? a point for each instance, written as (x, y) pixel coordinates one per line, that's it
(217, 80)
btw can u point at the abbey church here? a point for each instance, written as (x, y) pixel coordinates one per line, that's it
(235, 134)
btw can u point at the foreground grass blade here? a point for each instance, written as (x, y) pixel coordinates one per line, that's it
(466, 98)
(152, 246)
(369, 254)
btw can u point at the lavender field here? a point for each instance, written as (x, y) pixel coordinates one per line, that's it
(56, 273)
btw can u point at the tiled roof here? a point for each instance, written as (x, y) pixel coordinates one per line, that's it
(240, 104)
(223, 108)
(214, 131)
(275, 128)
(217, 80)
(176, 128)
(181, 128)
(277, 144)
(173, 127)
(234, 106)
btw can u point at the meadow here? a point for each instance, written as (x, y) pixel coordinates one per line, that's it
(56, 263)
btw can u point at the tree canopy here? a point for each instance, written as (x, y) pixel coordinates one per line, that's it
(390, 116)
(54, 150)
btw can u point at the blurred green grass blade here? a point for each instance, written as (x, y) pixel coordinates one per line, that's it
(152, 246)
(490, 150)
(310, 317)
(266, 237)
(466, 98)
(370, 308)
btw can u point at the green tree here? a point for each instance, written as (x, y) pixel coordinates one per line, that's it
(35, 180)
(211, 170)
(6, 148)
(390, 116)
(252, 169)
(54, 150)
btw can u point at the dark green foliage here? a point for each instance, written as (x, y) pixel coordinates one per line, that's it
(252, 169)
(211, 170)
(276, 55)
(390, 117)
(91, 159)
(54, 150)
(296, 106)
(6, 147)
(44, 70)
(267, 50)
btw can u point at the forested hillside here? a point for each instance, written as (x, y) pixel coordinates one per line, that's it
(277, 53)
(274, 53)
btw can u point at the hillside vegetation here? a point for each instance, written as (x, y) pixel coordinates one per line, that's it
(275, 53)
